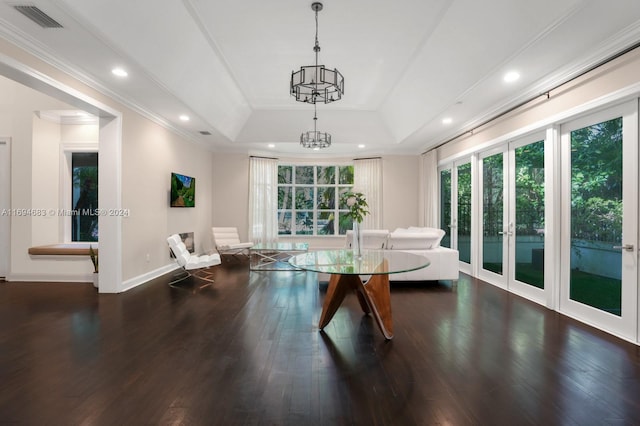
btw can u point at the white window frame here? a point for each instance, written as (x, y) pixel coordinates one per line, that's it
(66, 179)
(315, 186)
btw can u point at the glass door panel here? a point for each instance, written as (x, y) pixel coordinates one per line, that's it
(529, 214)
(493, 213)
(463, 222)
(445, 207)
(599, 265)
(596, 216)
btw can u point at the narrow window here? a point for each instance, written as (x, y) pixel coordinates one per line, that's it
(84, 190)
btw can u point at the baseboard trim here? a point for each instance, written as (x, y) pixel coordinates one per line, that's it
(148, 276)
(74, 278)
(88, 278)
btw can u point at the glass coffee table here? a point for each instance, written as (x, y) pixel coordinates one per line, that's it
(374, 296)
(274, 256)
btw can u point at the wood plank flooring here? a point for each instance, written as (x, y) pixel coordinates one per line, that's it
(247, 351)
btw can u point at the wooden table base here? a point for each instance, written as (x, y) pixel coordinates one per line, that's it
(374, 298)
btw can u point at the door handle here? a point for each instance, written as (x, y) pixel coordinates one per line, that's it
(505, 233)
(627, 247)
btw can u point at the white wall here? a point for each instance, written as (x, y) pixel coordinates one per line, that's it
(230, 180)
(45, 172)
(150, 154)
(400, 191)
(5, 204)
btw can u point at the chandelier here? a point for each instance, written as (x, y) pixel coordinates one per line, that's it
(315, 83)
(314, 139)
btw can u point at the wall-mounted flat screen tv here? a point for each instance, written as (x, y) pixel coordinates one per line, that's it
(183, 190)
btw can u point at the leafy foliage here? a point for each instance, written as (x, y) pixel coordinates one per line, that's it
(308, 199)
(84, 226)
(357, 205)
(529, 170)
(596, 182)
(94, 258)
(445, 206)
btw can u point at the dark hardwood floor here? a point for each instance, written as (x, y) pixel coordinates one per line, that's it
(247, 351)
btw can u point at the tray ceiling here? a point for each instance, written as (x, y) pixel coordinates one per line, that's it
(407, 64)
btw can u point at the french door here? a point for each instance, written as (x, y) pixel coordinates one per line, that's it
(599, 247)
(512, 217)
(455, 210)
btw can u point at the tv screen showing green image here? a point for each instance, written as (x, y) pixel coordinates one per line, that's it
(183, 190)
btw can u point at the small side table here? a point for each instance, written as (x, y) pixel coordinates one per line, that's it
(274, 256)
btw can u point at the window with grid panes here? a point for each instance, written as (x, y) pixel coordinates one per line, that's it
(309, 199)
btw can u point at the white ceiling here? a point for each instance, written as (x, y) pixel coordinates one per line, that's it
(407, 64)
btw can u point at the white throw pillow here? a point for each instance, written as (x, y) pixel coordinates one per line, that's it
(415, 238)
(402, 231)
(432, 233)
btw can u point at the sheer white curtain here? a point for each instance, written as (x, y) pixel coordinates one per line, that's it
(428, 191)
(367, 176)
(263, 200)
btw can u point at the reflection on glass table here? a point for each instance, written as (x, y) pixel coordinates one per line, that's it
(374, 296)
(274, 256)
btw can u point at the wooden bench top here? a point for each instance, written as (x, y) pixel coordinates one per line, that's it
(63, 249)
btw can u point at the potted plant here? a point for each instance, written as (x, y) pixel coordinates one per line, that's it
(94, 259)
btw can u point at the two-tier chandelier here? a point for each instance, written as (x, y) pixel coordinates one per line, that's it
(313, 84)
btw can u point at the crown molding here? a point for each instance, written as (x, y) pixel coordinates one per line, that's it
(600, 55)
(31, 46)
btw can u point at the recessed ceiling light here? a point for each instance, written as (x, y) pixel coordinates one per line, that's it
(361, 145)
(511, 76)
(184, 117)
(120, 72)
(447, 120)
(271, 145)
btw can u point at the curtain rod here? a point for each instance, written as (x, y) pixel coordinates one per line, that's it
(367, 158)
(266, 158)
(547, 93)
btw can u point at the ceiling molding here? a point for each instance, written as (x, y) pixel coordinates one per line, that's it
(36, 49)
(600, 55)
(191, 9)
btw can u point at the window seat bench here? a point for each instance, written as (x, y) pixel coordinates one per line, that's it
(63, 249)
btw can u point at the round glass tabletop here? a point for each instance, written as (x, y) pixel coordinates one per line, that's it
(372, 262)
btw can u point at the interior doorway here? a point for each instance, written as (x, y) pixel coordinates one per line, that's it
(5, 206)
(110, 154)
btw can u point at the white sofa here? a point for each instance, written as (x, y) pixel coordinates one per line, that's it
(421, 241)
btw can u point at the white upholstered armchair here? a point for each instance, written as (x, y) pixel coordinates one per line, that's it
(192, 265)
(227, 241)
